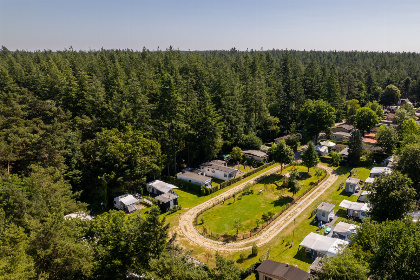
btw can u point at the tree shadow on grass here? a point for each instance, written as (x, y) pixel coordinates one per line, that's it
(304, 175)
(344, 193)
(283, 200)
(303, 256)
(341, 213)
(343, 170)
(271, 179)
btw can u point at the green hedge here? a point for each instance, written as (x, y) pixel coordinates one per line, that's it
(237, 179)
(326, 159)
(185, 185)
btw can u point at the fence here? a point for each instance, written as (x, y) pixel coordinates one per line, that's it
(255, 231)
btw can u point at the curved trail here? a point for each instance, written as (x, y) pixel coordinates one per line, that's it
(188, 230)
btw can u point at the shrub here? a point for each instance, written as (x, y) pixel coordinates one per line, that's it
(242, 257)
(254, 251)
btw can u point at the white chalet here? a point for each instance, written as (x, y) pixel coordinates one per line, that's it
(221, 172)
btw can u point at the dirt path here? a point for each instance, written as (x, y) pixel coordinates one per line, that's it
(186, 221)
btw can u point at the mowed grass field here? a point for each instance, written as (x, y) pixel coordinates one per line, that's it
(248, 208)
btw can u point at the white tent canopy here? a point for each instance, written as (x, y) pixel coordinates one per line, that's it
(323, 244)
(356, 206)
(128, 200)
(345, 228)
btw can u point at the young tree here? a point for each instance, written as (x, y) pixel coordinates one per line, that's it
(408, 130)
(316, 116)
(293, 184)
(237, 225)
(237, 154)
(387, 139)
(391, 196)
(335, 158)
(254, 251)
(365, 119)
(310, 156)
(355, 148)
(282, 154)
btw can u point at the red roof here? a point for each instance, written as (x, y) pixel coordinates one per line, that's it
(369, 140)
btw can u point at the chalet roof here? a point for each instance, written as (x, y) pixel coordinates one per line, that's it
(166, 197)
(194, 176)
(357, 206)
(218, 161)
(255, 153)
(326, 206)
(286, 271)
(352, 180)
(219, 167)
(162, 186)
(323, 244)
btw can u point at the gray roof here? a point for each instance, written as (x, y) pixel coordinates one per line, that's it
(345, 151)
(255, 153)
(352, 180)
(357, 206)
(166, 197)
(326, 206)
(219, 167)
(285, 271)
(194, 176)
(342, 133)
(218, 161)
(162, 186)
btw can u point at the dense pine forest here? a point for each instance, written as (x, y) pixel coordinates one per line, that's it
(80, 127)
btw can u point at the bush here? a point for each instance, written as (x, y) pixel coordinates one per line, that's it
(254, 251)
(242, 257)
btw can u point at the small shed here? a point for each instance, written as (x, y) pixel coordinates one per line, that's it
(325, 212)
(344, 230)
(352, 185)
(356, 210)
(167, 201)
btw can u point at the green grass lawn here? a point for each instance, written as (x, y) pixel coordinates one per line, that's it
(248, 208)
(279, 247)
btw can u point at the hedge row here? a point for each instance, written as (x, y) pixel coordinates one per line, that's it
(237, 179)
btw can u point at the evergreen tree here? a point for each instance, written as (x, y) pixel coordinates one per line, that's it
(355, 148)
(310, 156)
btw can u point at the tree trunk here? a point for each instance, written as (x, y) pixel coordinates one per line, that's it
(8, 167)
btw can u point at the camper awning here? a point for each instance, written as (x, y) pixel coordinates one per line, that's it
(344, 228)
(128, 200)
(323, 244)
(356, 206)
